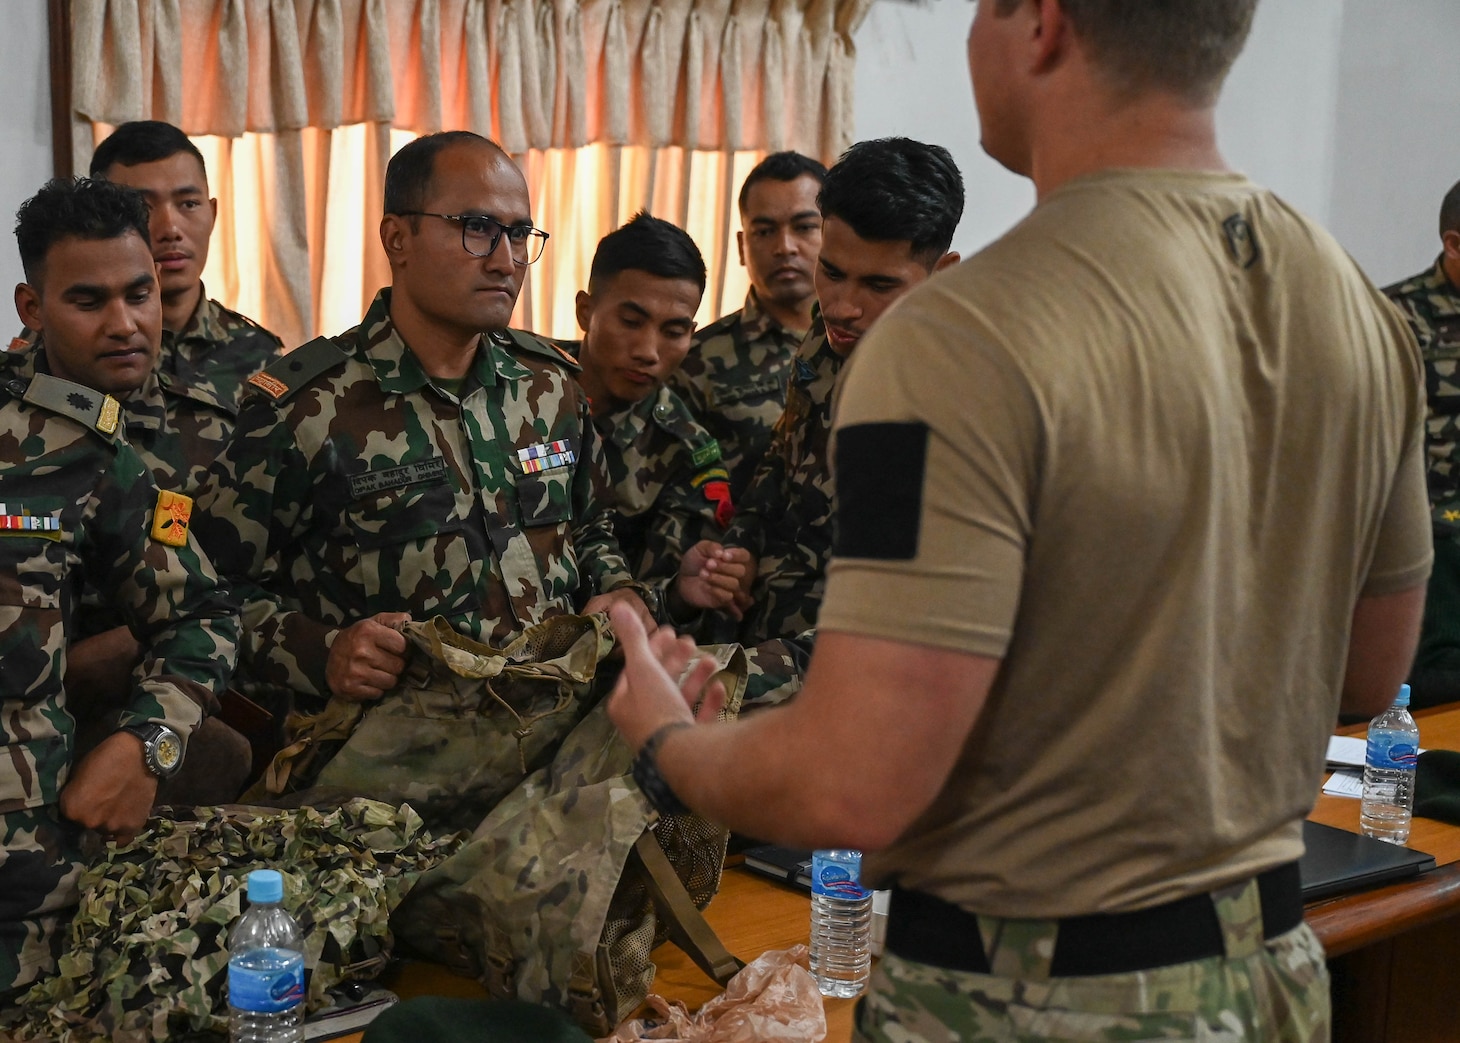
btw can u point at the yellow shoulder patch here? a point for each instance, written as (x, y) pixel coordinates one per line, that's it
(273, 385)
(170, 519)
(111, 413)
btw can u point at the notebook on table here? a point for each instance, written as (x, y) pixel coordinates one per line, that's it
(1335, 861)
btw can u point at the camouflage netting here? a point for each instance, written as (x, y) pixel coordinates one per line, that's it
(146, 958)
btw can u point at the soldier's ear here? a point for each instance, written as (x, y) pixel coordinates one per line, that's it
(1451, 239)
(948, 260)
(28, 305)
(583, 307)
(393, 236)
(740, 246)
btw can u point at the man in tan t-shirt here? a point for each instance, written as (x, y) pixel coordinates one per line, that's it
(1106, 568)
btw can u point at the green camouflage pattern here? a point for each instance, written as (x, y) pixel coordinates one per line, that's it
(217, 351)
(776, 670)
(1275, 992)
(784, 518)
(1431, 303)
(368, 489)
(177, 428)
(463, 726)
(146, 958)
(53, 466)
(537, 906)
(734, 382)
(670, 489)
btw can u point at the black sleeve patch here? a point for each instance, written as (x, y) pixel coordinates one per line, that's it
(879, 490)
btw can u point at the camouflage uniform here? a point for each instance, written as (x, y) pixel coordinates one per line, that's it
(218, 350)
(1431, 303)
(670, 490)
(353, 485)
(1275, 991)
(784, 518)
(79, 507)
(177, 424)
(734, 381)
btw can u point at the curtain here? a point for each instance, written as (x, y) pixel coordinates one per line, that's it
(610, 106)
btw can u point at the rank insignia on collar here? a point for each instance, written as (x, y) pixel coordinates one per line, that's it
(111, 412)
(545, 455)
(171, 517)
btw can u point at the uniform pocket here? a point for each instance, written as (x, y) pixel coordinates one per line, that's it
(413, 556)
(545, 498)
(32, 570)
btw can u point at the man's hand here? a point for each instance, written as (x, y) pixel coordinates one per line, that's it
(626, 597)
(712, 577)
(111, 790)
(367, 658)
(647, 695)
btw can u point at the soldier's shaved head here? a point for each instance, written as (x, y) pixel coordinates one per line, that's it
(1450, 210)
(408, 175)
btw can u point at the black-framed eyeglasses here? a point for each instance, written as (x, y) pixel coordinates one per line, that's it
(481, 234)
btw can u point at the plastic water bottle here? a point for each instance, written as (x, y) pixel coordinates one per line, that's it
(266, 967)
(1389, 765)
(841, 923)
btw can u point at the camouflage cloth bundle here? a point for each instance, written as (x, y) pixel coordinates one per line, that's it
(463, 726)
(146, 957)
(554, 898)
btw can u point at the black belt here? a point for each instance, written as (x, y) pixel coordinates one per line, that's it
(929, 930)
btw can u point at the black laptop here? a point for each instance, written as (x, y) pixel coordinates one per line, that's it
(1335, 862)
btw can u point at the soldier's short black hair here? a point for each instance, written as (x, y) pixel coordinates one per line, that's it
(80, 208)
(142, 141)
(781, 166)
(408, 174)
(1450, 210)
(648, 244)
(894, 190)
(1182, 46)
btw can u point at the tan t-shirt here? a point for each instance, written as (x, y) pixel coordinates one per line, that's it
(1173, 434)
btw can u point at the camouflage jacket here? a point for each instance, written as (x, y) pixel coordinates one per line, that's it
(1431, 303)
(218, 350)
(353, 485)
(77, 507)
(734, 382)
(784, 517)
(670, 490)
(177, 422)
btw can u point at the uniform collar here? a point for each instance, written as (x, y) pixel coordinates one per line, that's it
(396, 367)
(622, 427)
(144, 407)
(757, 322)
(205, 324)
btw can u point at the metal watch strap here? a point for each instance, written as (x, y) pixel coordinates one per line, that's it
(646, 773)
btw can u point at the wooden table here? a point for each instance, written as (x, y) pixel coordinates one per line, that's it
(1394, 951)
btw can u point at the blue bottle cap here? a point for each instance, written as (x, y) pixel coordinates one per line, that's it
(265, 885)
(1402, 699)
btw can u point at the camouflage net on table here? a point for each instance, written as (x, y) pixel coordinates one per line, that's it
(146, 959)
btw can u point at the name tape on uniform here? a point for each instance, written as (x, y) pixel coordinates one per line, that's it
(413, 473)
(544, 455)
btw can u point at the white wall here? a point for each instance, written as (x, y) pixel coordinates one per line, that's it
(25, 131)
(1398, 131)
(1350, 109)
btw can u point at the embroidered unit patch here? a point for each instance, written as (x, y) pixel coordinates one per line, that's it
(171, 517)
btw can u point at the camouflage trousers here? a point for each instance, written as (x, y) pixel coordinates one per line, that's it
(40, 864)
(1273, 991)
(776, 670)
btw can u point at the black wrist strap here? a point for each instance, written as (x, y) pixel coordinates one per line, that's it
(646, 773)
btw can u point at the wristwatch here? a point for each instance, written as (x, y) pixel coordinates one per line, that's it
(162, 748)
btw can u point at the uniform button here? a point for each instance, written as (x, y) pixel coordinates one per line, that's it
(663, 411)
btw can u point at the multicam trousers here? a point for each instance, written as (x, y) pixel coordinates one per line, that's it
(1261, 992)
(40, 864)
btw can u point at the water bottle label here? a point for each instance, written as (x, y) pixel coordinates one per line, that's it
(836, 880)
(1395, 752)
(270, 990)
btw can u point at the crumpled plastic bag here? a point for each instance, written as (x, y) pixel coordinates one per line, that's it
(773, 999)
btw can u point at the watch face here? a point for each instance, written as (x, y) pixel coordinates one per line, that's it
(167, 751)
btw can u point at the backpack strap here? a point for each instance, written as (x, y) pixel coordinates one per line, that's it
(686, 925)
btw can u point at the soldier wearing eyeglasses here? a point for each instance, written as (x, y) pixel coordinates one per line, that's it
(428, 462)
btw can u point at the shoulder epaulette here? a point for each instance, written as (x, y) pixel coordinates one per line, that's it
(524, 341)
(671, 414)
(282, 379)
(87, 406)
(724, 324)
(251, 323)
